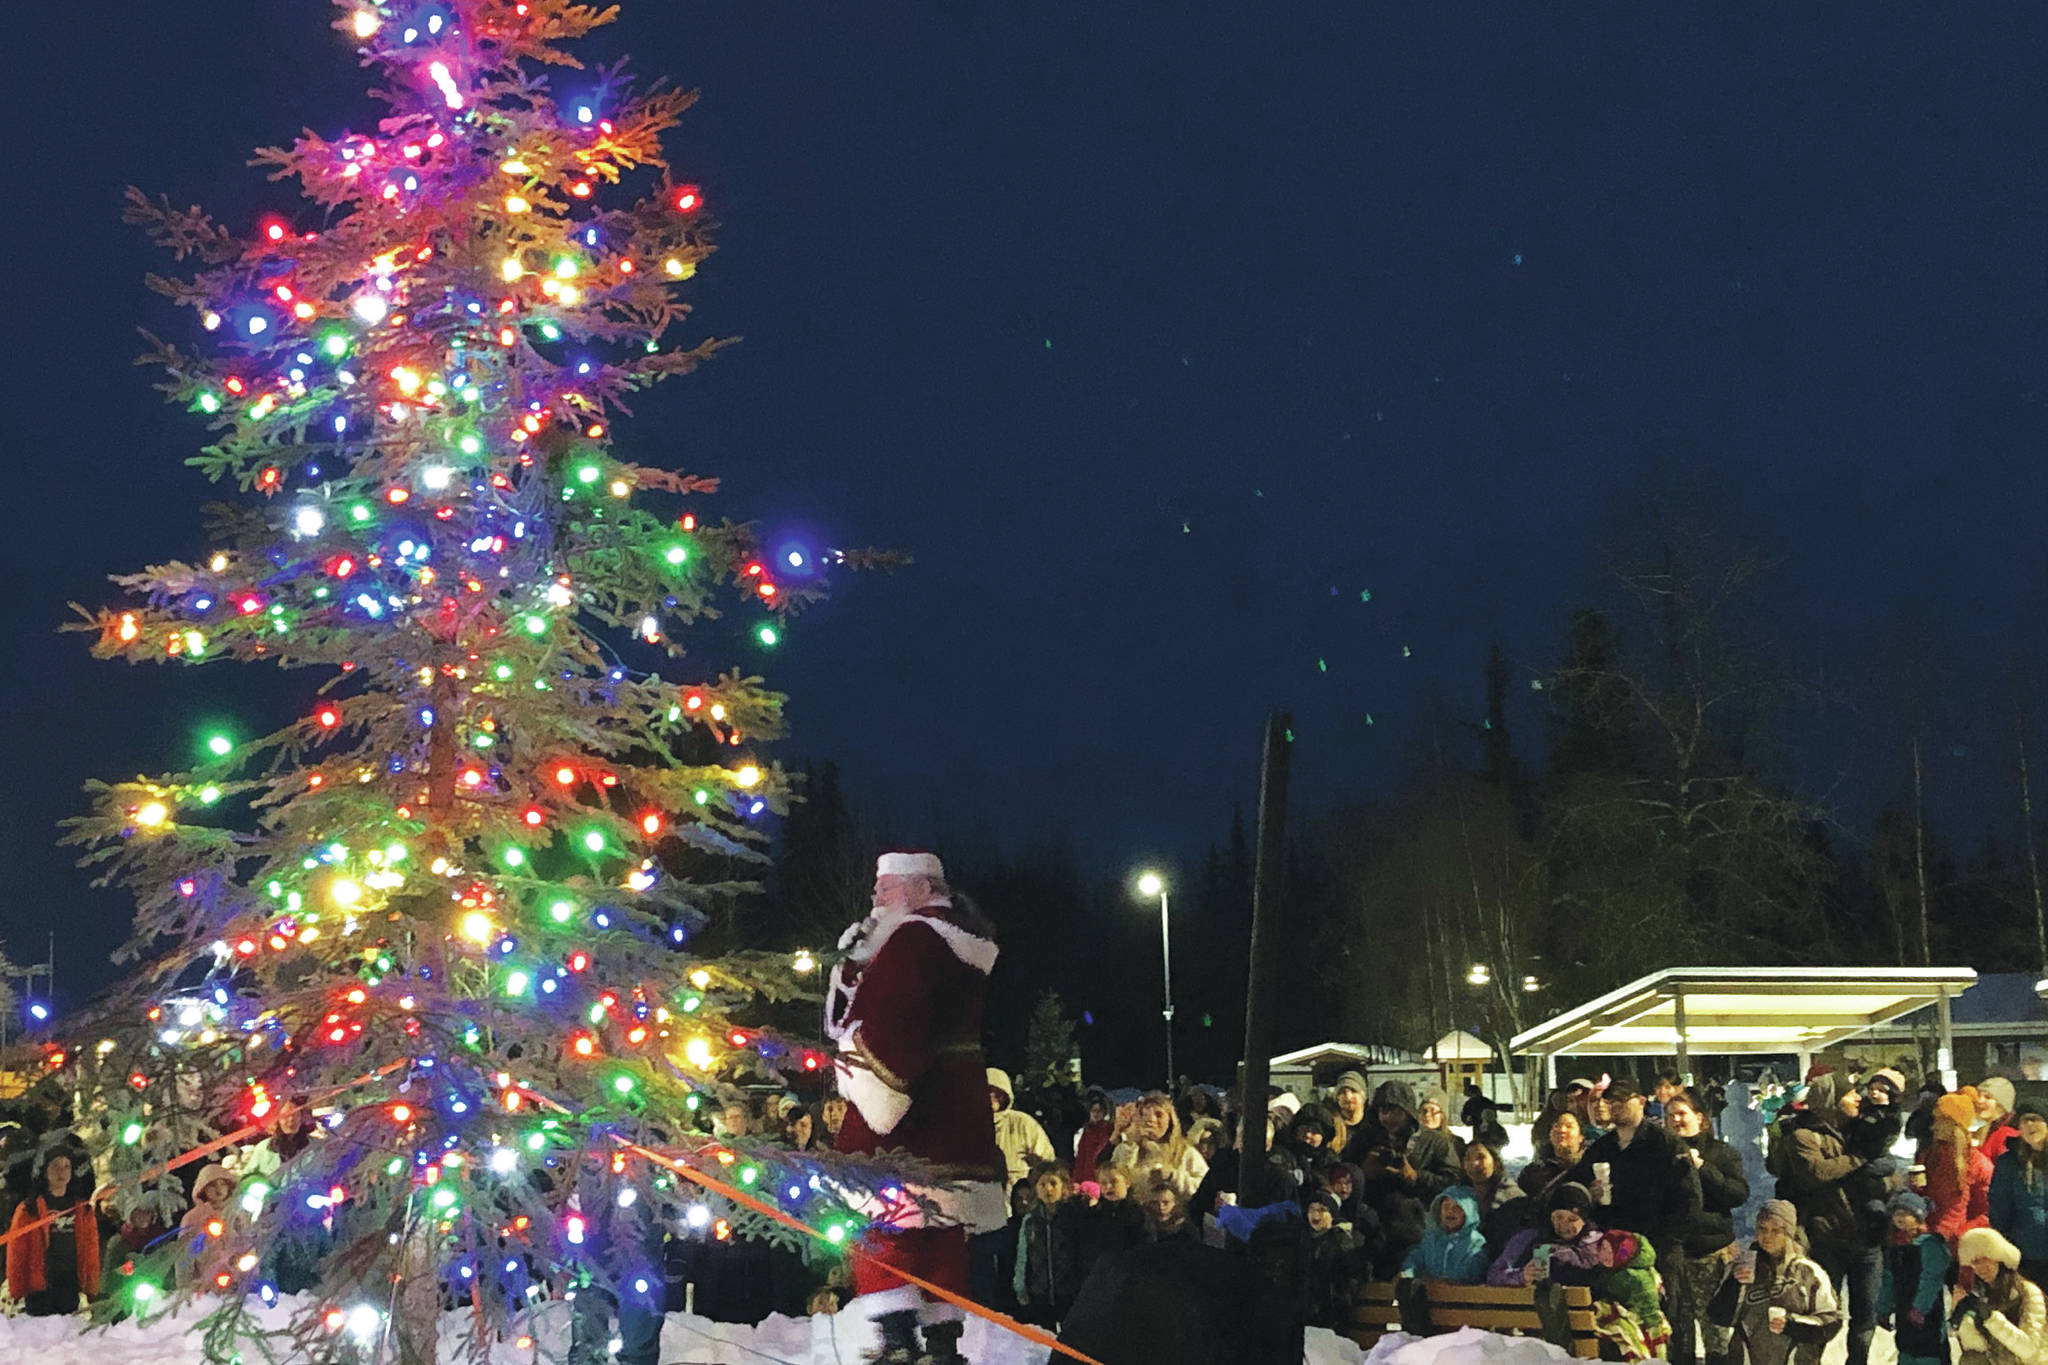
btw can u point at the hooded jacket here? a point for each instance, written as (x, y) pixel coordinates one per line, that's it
(1914, 1295)
(1829, 1185)
(1021, 1138)
(1457, 1257)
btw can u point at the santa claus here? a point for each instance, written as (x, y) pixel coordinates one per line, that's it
(905, 1009)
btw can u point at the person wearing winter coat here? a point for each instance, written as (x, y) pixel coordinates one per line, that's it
(1335, 1266)
(1091, 1143)
(1166, 1214)
(2003, 1319)
(1780, 1306)
(1707, 1241)
(1503, 1209)
(1049, 1246)
(1452, 1248)
(1913, 1301)
(1150, 1144)
(1995, 1102)
(1878, 1121)
(1566, 1249)
(1565, 1141)
(1652, 1187)
(1625, 1307)
(1958, 1175)
(1020, 1137)
(1840, 1200)
(1348, 1102)
(1406, 1166)
(1433, 1112)
(2018, 1202)
(53, 1254)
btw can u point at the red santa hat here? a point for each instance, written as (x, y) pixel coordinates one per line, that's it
(911, 864)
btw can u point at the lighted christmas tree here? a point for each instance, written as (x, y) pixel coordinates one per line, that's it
(451, 907)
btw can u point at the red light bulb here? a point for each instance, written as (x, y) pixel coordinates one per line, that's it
(688, 198)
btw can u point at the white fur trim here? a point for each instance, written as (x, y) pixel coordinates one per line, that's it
(904, 1298)
(910, 865)
(881, 1108)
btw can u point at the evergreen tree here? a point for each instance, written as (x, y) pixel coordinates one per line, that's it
(454, 906)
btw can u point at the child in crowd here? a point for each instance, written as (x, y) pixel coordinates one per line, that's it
(1913, 1300)
(1625, 1309)
(1452, 1248)
(53, 1254)
(1335, 1268)
(1049, 1237)
(1166, 1214)
(212, 1199)
(141, 1230)
(1780, 1305)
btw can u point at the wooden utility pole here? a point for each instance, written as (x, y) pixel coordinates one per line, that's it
(1268, 893)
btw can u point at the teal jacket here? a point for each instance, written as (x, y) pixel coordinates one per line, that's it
(1457, 1257)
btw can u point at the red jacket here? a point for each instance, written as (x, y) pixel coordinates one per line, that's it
(28, 1254)
(908, 1023)
(1090, 1146)
(1958, 1206)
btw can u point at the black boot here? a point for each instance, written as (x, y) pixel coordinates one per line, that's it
(899, 1338)
(942, 1344)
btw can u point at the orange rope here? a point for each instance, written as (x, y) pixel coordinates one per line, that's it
(767, 1210)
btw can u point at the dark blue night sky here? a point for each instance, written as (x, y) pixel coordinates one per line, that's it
(1160, 333)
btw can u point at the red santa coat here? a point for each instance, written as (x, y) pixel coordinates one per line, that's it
(906, 1010)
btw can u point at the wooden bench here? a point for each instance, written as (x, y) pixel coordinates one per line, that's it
(1451, 1306)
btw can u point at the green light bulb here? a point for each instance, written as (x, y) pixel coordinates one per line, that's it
(767, 636)
(594, 841)
(220, 746)
(536, 625)
(677, 554)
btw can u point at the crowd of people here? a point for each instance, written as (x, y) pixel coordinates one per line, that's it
(1630, 1193)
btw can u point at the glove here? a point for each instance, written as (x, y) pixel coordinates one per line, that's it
(1884, 1168)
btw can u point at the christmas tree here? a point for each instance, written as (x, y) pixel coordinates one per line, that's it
(450, 910)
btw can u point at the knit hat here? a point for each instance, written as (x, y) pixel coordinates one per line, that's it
(1326, 1199)
(1573, 1196)
(1286, 1102)
(1824, 1092)
(1958, 1107)
(1987, 1242)
(2029, 1109)
(1352, 1080)
(1782, 1210)
(1318, 1118)
(1905, 1201)
(2000, 1091)
(1893, 1080)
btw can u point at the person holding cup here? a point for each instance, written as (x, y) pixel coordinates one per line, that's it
(1778, 1303)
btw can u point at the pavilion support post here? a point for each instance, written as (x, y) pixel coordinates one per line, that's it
(1945, 1041)
(1678, 1017)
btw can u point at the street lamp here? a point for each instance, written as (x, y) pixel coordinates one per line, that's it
(1151, 884)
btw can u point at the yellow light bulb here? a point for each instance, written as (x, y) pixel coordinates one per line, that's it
(367, 24)
(747, 776)
(570, 294)
(345, 892)
(218, 563)
(516, 204)
(514, 167)
(152, 815)
(511, 269)
(700, 978)
(476, 926)
(698, 1053)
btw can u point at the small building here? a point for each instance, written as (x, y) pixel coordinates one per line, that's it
(2000, 1027)
(1309, 1071)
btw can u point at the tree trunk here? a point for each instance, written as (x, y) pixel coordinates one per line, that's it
(1920, 852)
(2019, 712)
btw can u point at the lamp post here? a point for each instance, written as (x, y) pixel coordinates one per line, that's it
(1151, 884)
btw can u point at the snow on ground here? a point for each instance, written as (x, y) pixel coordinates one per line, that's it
(685, 1340)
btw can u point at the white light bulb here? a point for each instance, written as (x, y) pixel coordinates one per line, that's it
(370, 308)
(307, 521)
